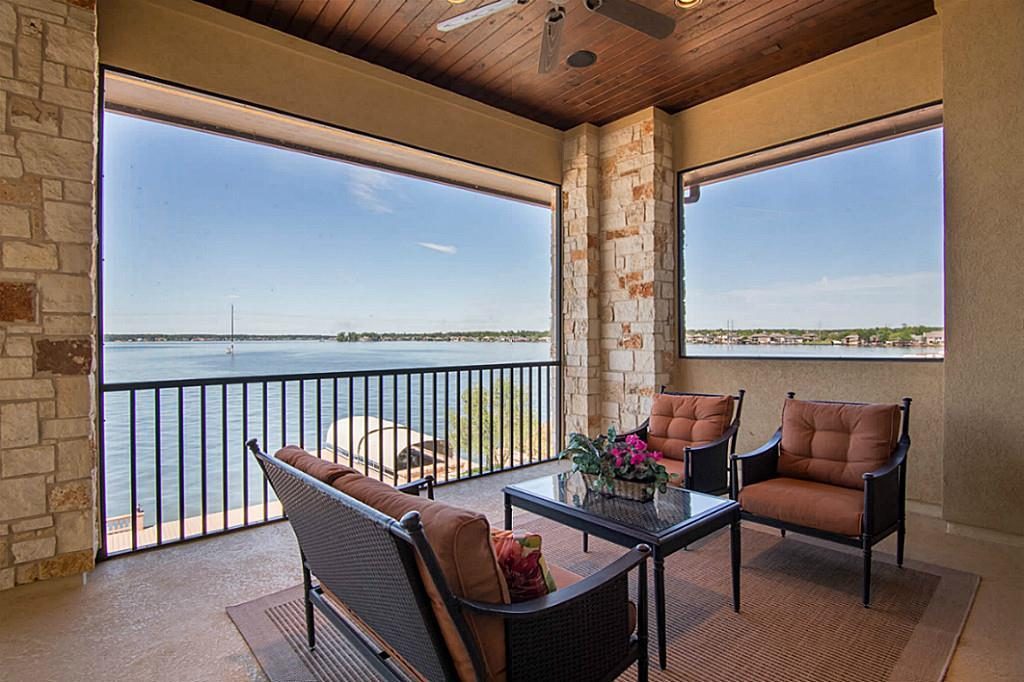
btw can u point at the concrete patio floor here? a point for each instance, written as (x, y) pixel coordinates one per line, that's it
(159, 615)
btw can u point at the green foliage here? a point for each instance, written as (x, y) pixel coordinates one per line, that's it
(510, 335)
(608, 457)
(499, 426)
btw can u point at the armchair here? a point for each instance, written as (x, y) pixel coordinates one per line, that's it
(834, 470)
(696, 432)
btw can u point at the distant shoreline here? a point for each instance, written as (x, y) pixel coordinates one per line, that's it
(451, 337)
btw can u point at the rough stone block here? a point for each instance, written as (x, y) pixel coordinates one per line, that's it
(65, 293)
(53, 189)
(11, 167)
(66, 564)
(64, 356)
(71, 496)
(74, 397)
(77, 125)
(16, 368)
(75, 459)
(6, 579)
(29, 256)
(14, 222)
(8, 23)
(29, 525)
(68, 222)
(66, 428)
(33, 550)
(70, 47)
(56, 157)
(19, 427)
(24, 461)
(65, 325)
(22, 497)
(18, 347)
(28, 114)
(68, 97)
(25, 389)
(620, 360)
(75, 531)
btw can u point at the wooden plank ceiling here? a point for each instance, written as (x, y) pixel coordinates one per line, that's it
(718, 47)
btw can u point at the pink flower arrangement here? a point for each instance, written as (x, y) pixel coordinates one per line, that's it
(610, 457)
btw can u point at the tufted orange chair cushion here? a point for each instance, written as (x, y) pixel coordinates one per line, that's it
(682, 421)
(836, 443)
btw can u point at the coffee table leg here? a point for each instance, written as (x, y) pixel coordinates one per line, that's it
(659, 605)
(586, 542)
(508, 513)
(735, 532)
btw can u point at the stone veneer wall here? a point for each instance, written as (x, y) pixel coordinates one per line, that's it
(48, 73)
(620, 261)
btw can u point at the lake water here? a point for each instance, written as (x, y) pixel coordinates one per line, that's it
(203, 431)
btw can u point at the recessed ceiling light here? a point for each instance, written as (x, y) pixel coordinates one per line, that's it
(771, 49)
(459, 2)
(581, 59)
(682, 4)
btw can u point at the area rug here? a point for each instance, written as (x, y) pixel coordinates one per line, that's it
(801, 619)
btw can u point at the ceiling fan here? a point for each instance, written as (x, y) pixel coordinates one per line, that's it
(625, 12)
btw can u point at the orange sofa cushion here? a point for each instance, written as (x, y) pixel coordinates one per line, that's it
(681, 421)
(320, 469)
(461, 540)
(836, 443)
(830, 508)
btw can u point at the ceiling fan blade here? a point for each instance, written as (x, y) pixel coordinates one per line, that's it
(477, 14)
(551, 38)
(637, 17)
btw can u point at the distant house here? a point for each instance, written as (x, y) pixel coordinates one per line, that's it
(761, 338)
(936, 338)
(851, 340)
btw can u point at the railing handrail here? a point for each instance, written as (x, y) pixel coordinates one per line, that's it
(312, 376)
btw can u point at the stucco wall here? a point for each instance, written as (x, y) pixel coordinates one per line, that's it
(899, 70)
(766, 383)
(197, 46)
(983, 60)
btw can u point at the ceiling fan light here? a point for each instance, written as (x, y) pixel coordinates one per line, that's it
(456, 2)
(681, 4)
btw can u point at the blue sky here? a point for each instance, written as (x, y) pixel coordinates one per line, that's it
(194, 222)
(847, 240)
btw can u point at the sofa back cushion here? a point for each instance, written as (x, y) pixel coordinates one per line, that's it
(320, 469)
(681, 421)
(836, 443)
(461, 539)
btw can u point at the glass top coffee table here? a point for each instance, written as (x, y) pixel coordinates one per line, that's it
(673, 520)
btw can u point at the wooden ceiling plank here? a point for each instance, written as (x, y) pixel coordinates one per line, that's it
(399, 26)
(328, 21)
(712, 52)
(259, 10)
(282, 13)
(812, 19)
(414, 42)
(349, 23)
(372, 25)
(519, 27)
(635, 64)
(307, 14)
(390, 29)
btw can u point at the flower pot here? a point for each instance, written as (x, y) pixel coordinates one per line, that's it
(628, 490)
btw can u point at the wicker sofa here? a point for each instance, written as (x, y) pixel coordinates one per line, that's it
(414, 584)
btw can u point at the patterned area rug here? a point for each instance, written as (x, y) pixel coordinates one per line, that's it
(801, 619)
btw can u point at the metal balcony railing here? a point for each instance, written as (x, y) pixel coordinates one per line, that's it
(174, 466)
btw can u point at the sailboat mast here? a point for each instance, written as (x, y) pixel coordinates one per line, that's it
(231, 345)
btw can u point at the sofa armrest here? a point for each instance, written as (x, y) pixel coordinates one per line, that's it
(563, 597)
(884, 492)
(414, 487)
(755, 466)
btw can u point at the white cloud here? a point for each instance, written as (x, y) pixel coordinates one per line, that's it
(440, 248)
(862, 300)
(368, 187)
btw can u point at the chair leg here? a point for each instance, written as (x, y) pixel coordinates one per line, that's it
(586, 542)
(306, 586)
(901, 538)
(782, 531)
(867, 572)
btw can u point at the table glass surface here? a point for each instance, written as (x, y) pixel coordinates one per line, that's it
(667, 510)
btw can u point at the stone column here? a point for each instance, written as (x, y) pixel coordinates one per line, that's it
(620, 270)
(47, 318)
(581, 265)
(638, 257)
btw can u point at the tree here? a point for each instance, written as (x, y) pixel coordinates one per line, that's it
(498, 429)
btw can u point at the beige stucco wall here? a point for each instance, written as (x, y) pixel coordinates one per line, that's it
(984, 146)
(899, 70)
(766, 383)
(197, 46)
